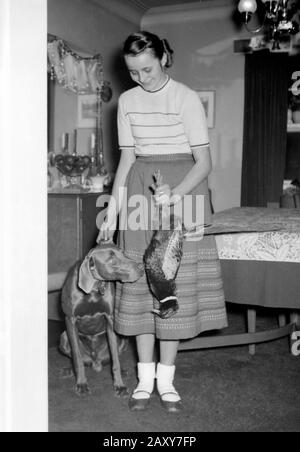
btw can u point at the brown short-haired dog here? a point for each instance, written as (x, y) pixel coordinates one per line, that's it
(88, 297)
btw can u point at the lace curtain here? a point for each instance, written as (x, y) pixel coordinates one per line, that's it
(75, 73)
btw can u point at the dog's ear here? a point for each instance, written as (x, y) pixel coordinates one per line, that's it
(86, 281)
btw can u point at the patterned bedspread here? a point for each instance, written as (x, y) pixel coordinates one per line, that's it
(257, 233)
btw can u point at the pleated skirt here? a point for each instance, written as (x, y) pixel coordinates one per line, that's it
(199, 280)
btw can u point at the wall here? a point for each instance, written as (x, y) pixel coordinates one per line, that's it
(202, 39)
(93, 27)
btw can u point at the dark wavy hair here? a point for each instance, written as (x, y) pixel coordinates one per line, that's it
(137, 43)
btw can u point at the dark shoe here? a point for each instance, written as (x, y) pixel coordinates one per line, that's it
(171, 407)
(139, 404)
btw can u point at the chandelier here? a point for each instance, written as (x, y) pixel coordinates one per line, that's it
(280, 18)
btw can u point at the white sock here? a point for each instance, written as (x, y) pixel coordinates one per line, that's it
(165, 377)
(146, 375)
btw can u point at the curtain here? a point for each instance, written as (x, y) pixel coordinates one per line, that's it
(265, 122)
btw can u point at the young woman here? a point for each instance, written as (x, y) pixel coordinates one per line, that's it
(162, 126)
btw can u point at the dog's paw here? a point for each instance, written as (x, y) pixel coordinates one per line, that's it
(121, 391)
(82, 389)
(97, 366)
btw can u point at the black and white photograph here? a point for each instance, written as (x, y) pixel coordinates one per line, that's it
(150, 230)
(87, 111)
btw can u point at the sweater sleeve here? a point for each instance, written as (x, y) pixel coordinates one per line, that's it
(194, 120)
(124, 128)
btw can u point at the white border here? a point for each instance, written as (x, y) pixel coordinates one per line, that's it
(23, 235)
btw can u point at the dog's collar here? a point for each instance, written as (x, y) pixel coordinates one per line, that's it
(97, 277)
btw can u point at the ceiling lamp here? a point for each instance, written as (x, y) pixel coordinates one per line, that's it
(281, 18)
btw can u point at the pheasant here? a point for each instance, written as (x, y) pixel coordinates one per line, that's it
(163, 256)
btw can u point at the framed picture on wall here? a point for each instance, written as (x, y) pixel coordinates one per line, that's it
(208, 101)
(86, 110)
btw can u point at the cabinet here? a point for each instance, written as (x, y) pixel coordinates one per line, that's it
(72, 232)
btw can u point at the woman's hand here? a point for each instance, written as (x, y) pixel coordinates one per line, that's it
(164, 195)
(107, 229)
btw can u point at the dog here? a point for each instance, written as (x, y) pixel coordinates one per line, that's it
(88, 297)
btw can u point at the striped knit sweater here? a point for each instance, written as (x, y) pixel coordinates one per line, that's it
(170, 120)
